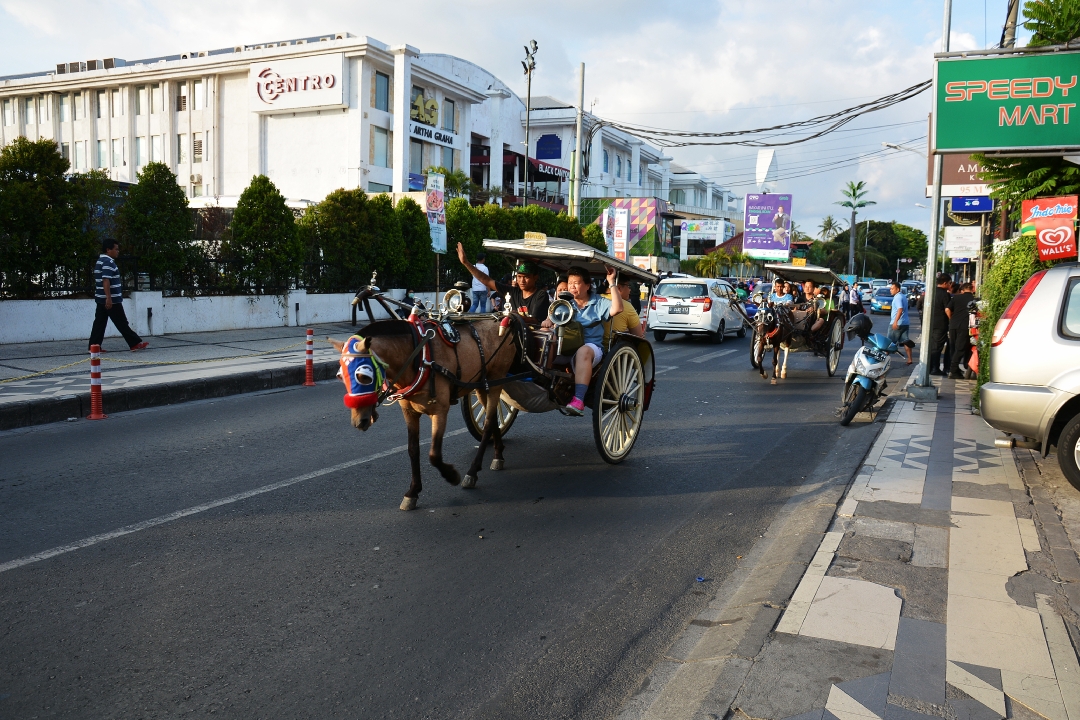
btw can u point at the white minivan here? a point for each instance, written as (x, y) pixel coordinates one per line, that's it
(695, 306)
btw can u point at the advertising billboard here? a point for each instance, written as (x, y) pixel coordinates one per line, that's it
(1052, 221)
(621, 232)
(1019, 103)
(767, 226)
(962, 241)
(436, 211)
(700, 236)
(299, 83)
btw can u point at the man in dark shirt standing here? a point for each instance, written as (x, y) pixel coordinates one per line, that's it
(940, 329)
(110, 298)
(527, 299)
(959, 336)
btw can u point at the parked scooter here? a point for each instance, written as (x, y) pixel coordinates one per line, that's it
(865, 382)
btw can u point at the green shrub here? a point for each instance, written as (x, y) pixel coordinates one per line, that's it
(419, 269)
(263, 248)
(155, 224)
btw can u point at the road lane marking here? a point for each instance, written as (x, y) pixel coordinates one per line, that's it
(710, 356)
(664, 368)
(162, 519)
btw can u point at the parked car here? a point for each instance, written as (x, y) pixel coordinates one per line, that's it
(878, 283)
(865, 291)
(881, 302)
(1034, 388)
(695, 306)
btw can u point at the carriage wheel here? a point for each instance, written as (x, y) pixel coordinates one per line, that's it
(836, 335)
(755, 355)
(475, 415)
(618, 404)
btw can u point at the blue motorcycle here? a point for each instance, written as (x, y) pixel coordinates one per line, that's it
(866, 378)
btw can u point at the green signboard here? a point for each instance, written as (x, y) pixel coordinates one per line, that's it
(1018, 103)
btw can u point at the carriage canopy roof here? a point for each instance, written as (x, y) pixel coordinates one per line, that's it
(559, 254)
(820, 275)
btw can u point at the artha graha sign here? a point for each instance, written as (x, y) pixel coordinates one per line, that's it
(1019, 103)
(1052, 221)
(298, 83)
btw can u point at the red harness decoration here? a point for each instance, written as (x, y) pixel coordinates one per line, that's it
(423, 371)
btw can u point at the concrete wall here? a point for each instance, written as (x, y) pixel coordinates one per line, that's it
(23, 321)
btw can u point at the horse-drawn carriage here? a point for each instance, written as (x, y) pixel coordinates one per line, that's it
(496, 363)
(790, 328)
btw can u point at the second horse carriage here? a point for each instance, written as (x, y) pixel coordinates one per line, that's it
(790, 328)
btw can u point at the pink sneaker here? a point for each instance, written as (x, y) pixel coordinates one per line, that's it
(576, 407)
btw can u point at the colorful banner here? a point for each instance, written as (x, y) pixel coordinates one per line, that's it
(434, 200)
(621, 232)
(1052, 222)
(767, 226)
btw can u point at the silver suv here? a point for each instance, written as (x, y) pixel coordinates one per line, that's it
(1034, 388)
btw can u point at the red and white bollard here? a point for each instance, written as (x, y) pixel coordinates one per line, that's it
(309, 362)
(95, 384)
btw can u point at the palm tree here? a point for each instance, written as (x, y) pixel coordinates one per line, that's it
(706, 265)
(829, 229)
(854, 194)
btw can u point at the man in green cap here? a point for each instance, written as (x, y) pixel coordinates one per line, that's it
(527, 299)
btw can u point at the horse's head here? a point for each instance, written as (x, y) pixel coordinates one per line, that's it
(770, 319)
(364, 376)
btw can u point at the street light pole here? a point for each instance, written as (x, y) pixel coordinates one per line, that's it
(529, 63)
(577, 146)
(866, 241)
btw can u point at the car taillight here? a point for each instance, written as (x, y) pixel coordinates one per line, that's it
(707, 302)
(656, 299)
(1001, 329)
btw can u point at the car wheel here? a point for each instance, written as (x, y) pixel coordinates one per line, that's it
(718, 336)
(659, 335)
(1068, 451)
(741, 333)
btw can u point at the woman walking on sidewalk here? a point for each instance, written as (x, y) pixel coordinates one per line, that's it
(110, 298)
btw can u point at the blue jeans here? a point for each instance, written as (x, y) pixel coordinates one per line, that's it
(898, 334)
(479, 300)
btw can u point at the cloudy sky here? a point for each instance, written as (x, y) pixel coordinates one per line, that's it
(684, 64)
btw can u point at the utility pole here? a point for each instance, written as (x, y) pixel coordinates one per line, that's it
(577, 147)
(866, 241)
(529, 63)
(923, 380)
(1008, 35)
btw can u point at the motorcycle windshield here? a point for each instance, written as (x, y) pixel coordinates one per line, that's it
(880, 342)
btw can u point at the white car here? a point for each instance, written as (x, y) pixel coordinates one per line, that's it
(695, 306)
(865, 291)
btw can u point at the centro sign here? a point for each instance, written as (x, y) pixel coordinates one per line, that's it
(298, 83)
(1021, 103)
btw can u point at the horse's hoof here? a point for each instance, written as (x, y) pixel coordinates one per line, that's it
(773, 381)
(408, 503)
(783, 375)
(496, 464)
(469, 482)
(453, 477)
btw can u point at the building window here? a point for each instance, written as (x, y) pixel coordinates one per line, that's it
(102, 154)
(382, 92)
(197, 147)
(80, 155)
(677, 196)
(448, 158)
(181, 97)
(200, 95)
(157, 153)
(80, 106)
(181, 148)
(416, 157)
(117, 106)
(29, 116)
(65, 151)
(43, 108)
(156, 102)
(196, 191)
(629, 174)
(9, 115)
(618, 166)
(140, 152)
(140, 100)
(605, 161)
(374, 187)
(382, 147)
(65, 108)
(448, 110)
(102, 109)
(640, 172)
(118, 152)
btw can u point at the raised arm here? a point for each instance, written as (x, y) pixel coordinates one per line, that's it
(473, 270)
(616, 298)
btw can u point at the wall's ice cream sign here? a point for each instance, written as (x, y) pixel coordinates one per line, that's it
(1052, 221)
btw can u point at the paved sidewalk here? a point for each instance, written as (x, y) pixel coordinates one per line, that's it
(938, 592)
(173, 369)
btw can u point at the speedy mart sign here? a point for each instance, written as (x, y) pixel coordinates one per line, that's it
(1019, 103)
(1053, 223)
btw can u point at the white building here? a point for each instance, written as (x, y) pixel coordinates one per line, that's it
(336, 111)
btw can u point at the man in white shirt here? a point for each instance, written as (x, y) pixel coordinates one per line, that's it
(479, 289)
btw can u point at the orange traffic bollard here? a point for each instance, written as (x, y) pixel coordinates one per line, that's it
(95, 384)
(309, 364)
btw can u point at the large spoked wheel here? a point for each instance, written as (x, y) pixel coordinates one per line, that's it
(836, 334)
(757, 350)
(618, 404)
(475, 415)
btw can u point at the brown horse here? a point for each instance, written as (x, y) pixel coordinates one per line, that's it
(473, 358)
(777, 328)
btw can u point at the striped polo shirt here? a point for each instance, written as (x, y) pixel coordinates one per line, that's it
(106, 269)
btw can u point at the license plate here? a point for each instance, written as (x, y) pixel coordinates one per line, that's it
(678, 310)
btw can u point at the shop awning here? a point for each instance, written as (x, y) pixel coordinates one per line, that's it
(549, 169)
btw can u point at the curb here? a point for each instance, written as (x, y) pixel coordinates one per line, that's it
(58, 409)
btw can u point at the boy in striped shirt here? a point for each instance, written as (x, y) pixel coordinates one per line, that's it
(109, 297)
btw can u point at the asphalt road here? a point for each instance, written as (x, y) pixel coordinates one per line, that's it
(547, 592)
